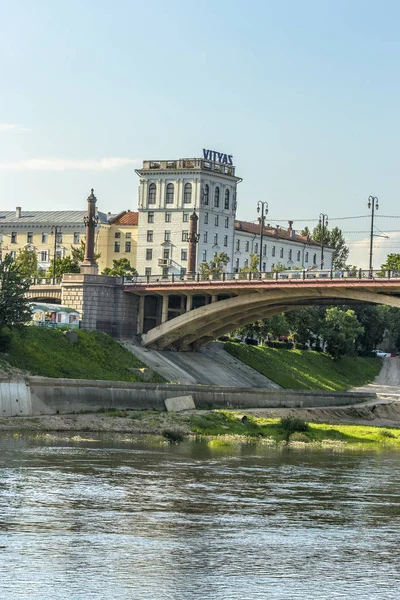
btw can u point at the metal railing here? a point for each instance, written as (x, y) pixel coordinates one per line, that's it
(273, 276)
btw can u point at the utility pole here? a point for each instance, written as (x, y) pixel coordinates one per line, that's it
(55, 230)
(323, 222)
(373, 203)
(263, 206)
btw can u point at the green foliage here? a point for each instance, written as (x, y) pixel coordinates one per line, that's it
(78, 254)
(121, 268)
(372, 319)
(307, 370)
(252, 267)
(293, 425)
(341, 330)
(48, 352)
(215, 267)
(63, 265)
(14, 308)
(392, 263)
(333, 239)
(27, 263)
(173, 436)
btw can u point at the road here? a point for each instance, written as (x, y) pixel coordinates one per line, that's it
(387, 384)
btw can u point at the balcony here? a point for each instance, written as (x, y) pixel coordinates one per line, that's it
(164, 262)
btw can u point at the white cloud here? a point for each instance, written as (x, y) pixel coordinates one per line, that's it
(359, 250)
(12, 127)
(68, 164)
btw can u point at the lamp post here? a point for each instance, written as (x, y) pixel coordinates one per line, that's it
(373, 203)
(55, 230)
(263, 207)
(323, 222)
(89, 265)
(193, 239)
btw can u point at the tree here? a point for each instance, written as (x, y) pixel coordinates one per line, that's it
(253, 266)
(279, 267)
(341, 330)
(121, 268)
(306, 324)
(63, 265)
(392, 263)
(14, 307)
(305, 232)
(275, 326)
(334, 239)
(215, 267)
(27, 263)
(373, 321)
(78, 254)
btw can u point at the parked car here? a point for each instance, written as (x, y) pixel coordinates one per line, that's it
(381, 353)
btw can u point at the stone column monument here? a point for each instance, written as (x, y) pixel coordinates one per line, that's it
(89, 265)
(193, 238)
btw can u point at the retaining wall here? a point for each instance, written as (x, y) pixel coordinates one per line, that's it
(51, 396)
(15, 399)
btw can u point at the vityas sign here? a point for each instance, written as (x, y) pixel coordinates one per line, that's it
(220, 157)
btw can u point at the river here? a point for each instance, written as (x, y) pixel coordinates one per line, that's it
(109, 519)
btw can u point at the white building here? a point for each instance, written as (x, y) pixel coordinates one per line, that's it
(170, 190)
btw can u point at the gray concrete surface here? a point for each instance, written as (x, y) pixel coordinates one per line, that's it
(387, 383)
(211, 366)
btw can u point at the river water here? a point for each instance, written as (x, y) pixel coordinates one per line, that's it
(140, 521)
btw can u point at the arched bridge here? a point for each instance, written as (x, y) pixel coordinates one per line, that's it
(186, 314)
(45, 290)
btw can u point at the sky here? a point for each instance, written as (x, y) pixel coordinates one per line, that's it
(304, 94)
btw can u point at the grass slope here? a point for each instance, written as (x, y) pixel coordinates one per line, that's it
(48, 352)
(305, 369)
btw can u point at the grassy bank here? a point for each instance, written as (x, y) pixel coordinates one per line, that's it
(307, 370)
(48, 352)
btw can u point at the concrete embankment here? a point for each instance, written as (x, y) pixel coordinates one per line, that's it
(41, 395)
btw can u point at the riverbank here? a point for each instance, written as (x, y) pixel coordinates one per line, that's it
(356, 425)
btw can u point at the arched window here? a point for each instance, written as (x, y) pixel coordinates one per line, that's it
(187, 193)
(170, 193)
(152, 193)
(206, 194)
(216, 197)
(226, 199)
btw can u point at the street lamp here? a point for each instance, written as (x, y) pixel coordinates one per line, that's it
(323, 222)
(263, 206)
(373, 203)
(55, 230)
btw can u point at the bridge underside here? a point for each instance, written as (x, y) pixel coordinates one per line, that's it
(187, 323)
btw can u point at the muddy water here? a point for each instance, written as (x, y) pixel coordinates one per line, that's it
(111, 520)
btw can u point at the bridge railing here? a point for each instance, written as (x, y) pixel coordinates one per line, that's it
(45, 281)
(288, 275)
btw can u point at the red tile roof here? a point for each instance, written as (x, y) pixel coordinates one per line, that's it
(126, 217)
(278, 233)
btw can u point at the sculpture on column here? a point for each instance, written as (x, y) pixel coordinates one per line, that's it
(193, 239)
(89, 265)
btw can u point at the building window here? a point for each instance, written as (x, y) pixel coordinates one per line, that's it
(306, 258)
(185, 235)
(76, 237)
(152, 193)
(59, 254)
(170, 194)
(150, 235)
(273, 250)
(128, 236)
(205, 218)
(247, 247)
(117, 235)
(186, 217)
(246, 262)
(127, 246)
(29, 237)
(183, 254)
(290, 254)
(149, 254)
(216, 220)
(204, 255)
(206, 194)
(237, 265)
(226, 222)
(14, 237)
(205, 236)
(59, 237)
(216, 197)
(168, 217)
(117, 246)
(225, 240)
(167, 236)
(215, 239)
(187, 193)
(183, 272)
(147, 271)
(264, 267)
(43, 256)
(298, 255)
(237, 244)
(314, 259)
(281, 253)
(256, 247)
(150, 217)
(226, 203)
(265, 250)
(44, 238)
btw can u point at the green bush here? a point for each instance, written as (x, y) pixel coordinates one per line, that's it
(173, 436)
(293, 425)
(5, 339)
